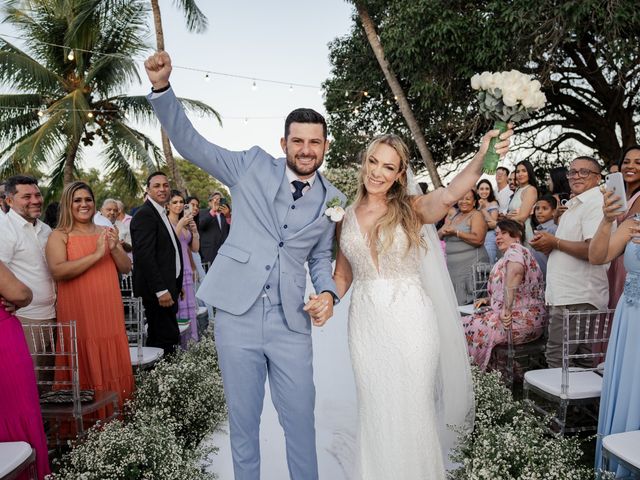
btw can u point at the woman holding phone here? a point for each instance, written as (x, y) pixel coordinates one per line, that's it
(630, 170)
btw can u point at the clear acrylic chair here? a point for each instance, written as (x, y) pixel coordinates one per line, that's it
(141, 356)
(480, 280)
(585, 337)
(17, 460)
(126, 285)
(55, 352)
(624, 448)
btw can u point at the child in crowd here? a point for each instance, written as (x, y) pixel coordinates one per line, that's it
(542, 220)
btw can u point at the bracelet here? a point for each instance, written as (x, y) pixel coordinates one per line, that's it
(160, 90)
(457, 233)
(558, 244)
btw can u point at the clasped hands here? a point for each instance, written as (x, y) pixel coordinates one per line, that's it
(320, 308)
(543, 242)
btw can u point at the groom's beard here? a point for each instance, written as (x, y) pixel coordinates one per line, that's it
(304, 169)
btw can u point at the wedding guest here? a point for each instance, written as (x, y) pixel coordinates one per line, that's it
(20, 416)
(464, 236)
(157, 276)
(213, 228)
(109, 210)
(488, 206)
(619, 406)
(124, 232)
(187, 233)
(572, 283)
(3, 201)
(516, 298)
(22, 250)
(504, 192)
(524, 198)
(123, 216)
(630, 168)
(225, 210)
(203, 322)
(85, 260)
(558, 184)
(513, 185)
(543, 220)
(613, 168)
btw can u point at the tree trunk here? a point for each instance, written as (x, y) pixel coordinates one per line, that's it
(166, 145)
(69, 161)
(396, 88)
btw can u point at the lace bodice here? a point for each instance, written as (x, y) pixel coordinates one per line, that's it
(394, 263)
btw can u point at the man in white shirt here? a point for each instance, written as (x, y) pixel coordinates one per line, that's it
(110, 211)
(503, 192)
(22, 249)
(572, 282)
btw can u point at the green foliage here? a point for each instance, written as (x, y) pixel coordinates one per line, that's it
(584, 53)
(175, 406)
(199, 183)
(510, 442)
(79, 97)
(344, 179)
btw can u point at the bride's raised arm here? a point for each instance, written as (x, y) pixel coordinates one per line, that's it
(342, 274)
(434, 205)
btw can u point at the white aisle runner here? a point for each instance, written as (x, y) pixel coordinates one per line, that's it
(335, 410)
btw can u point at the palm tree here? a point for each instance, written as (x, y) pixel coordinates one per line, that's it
(196, 22)
(374, 40)
(68, 88)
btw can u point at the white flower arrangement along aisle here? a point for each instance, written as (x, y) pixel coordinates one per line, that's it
(175, 407)
(506, 97)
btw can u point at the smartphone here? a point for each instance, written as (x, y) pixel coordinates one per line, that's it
(614, 183)
(187, 209)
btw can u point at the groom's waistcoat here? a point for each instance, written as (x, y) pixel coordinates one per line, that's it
(292, 217)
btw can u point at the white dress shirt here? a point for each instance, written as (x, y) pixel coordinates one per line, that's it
(571, 280)
(504, 197)
(165, 219)
(291, 176)
(22, 251)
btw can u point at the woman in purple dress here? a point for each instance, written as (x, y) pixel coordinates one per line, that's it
(187, 232)
(20, 416)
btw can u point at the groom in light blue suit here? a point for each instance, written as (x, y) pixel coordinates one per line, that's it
(257, 281)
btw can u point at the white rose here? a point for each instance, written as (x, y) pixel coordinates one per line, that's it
(529, 100)
(475, 82)
(336, 213)
(541, 100)
(495, 81)
(509, 97)
(485, 78)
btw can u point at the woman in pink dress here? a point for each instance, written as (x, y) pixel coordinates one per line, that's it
(187, 232)
(522, 307)
(20, 416)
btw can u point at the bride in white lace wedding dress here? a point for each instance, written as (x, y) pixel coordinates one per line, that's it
(407, 347)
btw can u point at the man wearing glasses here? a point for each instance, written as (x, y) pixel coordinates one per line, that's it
(572, 282)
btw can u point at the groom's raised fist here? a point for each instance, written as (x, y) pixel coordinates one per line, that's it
(158, 67)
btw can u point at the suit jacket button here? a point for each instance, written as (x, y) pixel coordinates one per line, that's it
(267, 287)
(284, 226)
(267, 267)
(293, 207)
(281, 244)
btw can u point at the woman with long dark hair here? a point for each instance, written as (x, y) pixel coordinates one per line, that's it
(489, 208)
(559, 184)
(524, 198)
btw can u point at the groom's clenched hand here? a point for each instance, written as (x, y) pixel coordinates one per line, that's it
(320, 308)
(158, 67)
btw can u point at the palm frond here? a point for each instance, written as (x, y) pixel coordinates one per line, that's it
(134, 145)
(200, 108)
(11, 164)
(22, 72)
(118, 167)
(44, 143)
(196, 20)
(136, 107)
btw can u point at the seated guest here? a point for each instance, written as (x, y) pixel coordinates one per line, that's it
(488, 206)
(187, 233)
(572, 283)
(464, 235)
(20, 416)
(85, 260)
(522, 309)
(619, 405)
(543, 220)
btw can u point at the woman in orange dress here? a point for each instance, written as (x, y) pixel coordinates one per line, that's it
(85, 259)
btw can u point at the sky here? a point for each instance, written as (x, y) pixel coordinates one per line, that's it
(283, 40)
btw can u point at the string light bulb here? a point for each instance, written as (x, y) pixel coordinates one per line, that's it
(90, 115)
(40, 113)
(356, 111)
(254, 87)
(290, 88)
(71, 57)
(365, 93)
(207, 78)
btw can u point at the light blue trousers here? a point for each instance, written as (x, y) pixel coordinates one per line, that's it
(250, 347)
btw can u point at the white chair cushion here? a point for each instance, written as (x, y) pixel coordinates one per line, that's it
(581, 384)
(625, 446)
(183, 327)
(149, 355)
(466, 309)
(12, 455)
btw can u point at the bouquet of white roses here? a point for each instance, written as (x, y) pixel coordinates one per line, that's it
(505, 97)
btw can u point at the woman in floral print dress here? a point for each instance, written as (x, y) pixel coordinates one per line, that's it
(516, 298)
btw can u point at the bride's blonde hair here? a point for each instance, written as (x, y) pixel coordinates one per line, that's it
(399, 208)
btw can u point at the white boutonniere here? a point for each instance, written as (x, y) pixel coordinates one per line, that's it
(334, 209)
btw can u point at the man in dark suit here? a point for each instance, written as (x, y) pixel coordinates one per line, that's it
(157, 274)
(213, 229)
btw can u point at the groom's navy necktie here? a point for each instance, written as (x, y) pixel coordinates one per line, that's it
(299, 186)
